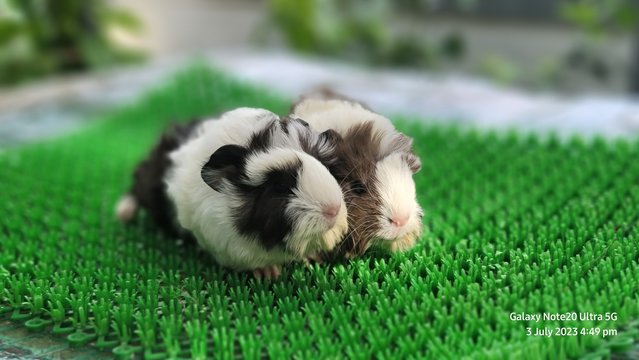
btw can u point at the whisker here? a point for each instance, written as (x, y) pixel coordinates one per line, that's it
(365, 223)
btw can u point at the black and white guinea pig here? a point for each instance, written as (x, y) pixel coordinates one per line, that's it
(376, 165)
(251, 195)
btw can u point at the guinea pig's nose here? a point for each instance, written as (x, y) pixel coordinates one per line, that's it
(398, 220)
(331, 211)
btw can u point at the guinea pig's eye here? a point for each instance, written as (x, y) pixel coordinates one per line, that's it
(281, 188)
(358, 188)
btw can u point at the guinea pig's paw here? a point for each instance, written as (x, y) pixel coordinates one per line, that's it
(268, 272)
(316, 258)
(126, 208)
(350, 255)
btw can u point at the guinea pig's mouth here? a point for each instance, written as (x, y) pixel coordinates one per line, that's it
(304, 244)
(399, 235)
(320, 231)
(389, 236)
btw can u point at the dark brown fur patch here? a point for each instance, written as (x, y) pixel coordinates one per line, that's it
(355, 172)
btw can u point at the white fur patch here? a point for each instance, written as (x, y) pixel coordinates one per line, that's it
(258, 165)
(341, 115)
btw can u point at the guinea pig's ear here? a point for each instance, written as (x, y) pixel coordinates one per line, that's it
(401, 143)
(226, 162)
(413, 161)
(327, 142)
(404, 145)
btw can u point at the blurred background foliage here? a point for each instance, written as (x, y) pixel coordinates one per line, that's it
(600, 20)
(42, 37)
(356, 29)
(362, 30)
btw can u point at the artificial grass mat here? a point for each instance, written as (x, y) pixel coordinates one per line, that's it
(513, 224)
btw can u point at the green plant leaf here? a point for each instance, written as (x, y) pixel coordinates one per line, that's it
(10, 30)
(580, 13)
(123, 19)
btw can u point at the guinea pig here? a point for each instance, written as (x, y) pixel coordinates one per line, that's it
(244, 186)
(375, 169)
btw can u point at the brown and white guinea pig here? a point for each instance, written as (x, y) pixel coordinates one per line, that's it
(376, 165)
(244, 186)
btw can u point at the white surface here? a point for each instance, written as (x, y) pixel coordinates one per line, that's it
(445, 98)
(55, 106)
